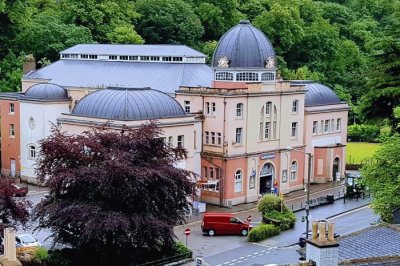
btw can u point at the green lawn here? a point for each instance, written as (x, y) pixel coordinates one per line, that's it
(356, 152)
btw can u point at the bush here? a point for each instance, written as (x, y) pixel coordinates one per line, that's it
(287, 218)
(181, 249)
(40, 256)
(262, 232)
(363, 133)
(269, 203)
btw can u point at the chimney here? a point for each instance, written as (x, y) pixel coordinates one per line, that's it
(29, 64)
(10, 252)
(322, 249)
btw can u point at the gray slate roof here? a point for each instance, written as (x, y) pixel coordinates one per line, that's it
(245, 46)
(102, 74)
(128, 49)
(318, 94)
(46, 91)
(128, 104)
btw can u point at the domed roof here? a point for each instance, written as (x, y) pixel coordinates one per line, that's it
(245, 47)
(46, 91)
(128, 104)
(318, 94)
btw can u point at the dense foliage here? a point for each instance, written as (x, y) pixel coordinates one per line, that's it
(273, 211)
(13, 211)
(114, 195)
(383, 179)
(262, 232)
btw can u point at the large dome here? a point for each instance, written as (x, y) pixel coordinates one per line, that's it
(318, 94)
(128, 104)
(245, 47)
(46, 91)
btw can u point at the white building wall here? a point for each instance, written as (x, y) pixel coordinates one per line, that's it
(43, 115)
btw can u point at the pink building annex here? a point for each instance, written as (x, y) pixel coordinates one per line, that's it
(246, 129)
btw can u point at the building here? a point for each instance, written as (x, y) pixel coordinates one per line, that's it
(247, 130)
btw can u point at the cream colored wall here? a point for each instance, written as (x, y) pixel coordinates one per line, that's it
(26, 84)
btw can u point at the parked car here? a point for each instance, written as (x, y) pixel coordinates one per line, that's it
(26, 240)
(224, 223)
(20, 191)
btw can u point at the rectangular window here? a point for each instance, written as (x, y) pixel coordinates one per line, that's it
(133, 58)
(294, 129)
(112, 57)
(207, 137)
(315, 128)
(295, 106)
(207, 108)
(213, 138)
(267, 130)
(177, 59)
(164, 140)
(217, 173)
(187, 107)
(211, 172)
(166, 58)
(239, 133)
(338, 124)
(11, 108)
(219, 139)
(332, 125)
(205, 172)
(154, 58)
(180, 142)
(12, 130)
(170, 141)
(123, 57)
(268, 108)
(92, 56)
(239, 110)
(74, 56)
(145, 58)
(326, 127)
(213, 108)
(84, 56)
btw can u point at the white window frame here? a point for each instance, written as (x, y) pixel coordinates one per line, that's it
(224, 76)
(207, 107)
(32, 152)
(239, 110)
(268, 108)
(170, 141)
(187, 107)
(219, 138)
(267, 130)
(239, 181)
(326, 126)
(12, 131)
(294, 129)
(12, 108)
(295, 106)
(338, 124)
(239, 135)
(207, 137)
(268, 76)
(213, 139)
(213, 108)
(180, 141)
(293, 171)
(315, 128)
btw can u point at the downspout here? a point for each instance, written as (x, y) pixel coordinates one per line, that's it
(221, 191)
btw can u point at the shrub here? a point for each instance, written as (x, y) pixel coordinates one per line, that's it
(269, 203)
(365, 133)
(287, 218)
(40, 256)
(261, 232)
(181, 249)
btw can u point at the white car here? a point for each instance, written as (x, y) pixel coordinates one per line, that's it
(26, 240)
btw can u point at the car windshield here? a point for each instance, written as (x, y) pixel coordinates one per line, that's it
(27, 239)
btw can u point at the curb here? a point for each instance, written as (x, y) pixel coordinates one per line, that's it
(340, 213)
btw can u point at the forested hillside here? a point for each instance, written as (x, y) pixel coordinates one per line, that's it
(351, 45)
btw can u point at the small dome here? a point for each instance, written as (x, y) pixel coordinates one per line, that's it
(128, 104)
(318, 94)
(244, 46)
(46, 91)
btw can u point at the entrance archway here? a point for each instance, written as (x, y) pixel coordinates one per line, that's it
(335, 168)
(267, 176)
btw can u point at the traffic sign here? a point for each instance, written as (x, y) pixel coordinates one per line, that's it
(187, 231)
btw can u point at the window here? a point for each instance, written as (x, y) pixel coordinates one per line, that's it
(284, 176)
(207, 108)
(338, 124)
(11, 108)
(268, 107)
(74, 56)
(145, 58)
(211, 172)
(294, 129)
(267, 130)
(166, 58)
(223, 76)
(217, 173)
(170, 141)
(293, 171)
(187, 107)
(322, 126)
(267, 76)
(247, 76)
(177, 59)
(239, 133)
(12, 130)
(326, 128)
(239, 109)
(32, 152)
(154, 58)
(219, 138)
(164, 140)
(213, 107)
(123, 57)
(295, 106)
(133, 58)
(238, 181)
(65, 56)
(112, 57)
(92, 56)
(84, 56)
(180, 141)
(205, 172)
(332, 125)
(315, 128)
(213, 138)
(207, 137)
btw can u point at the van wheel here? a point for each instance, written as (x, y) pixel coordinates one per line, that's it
(244, 232)
(211, 232)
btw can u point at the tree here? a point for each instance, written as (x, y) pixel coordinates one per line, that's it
(11, 72)
(168, 21)
(12, 211)
(115, 195)
(125, 34)
(382, 178)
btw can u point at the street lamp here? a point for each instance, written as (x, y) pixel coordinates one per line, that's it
(307, 206)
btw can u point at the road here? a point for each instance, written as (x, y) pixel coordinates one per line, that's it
(279, 249)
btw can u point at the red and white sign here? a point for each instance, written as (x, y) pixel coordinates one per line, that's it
(187, 231)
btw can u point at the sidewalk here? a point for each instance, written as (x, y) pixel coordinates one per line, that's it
(294, 200)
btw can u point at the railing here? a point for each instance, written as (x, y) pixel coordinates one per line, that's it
(165, 261)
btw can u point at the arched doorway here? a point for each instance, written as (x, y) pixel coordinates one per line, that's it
(267, 175)
(336, 168)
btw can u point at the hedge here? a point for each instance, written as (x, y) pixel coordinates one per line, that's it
(287, 219)
(262, 232)
(269, 203)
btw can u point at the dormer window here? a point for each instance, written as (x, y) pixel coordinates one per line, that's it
(247, 76)
(112, 57)
(223, 76)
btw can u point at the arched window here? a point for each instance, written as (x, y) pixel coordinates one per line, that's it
(268, 107)
(239, 110)
(293, 171)
(223, 76)
(246, 76)
(269, 76)
(32, 152)
(238, 181)
(295, 106)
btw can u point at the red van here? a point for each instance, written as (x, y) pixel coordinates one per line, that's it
(223, 223)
